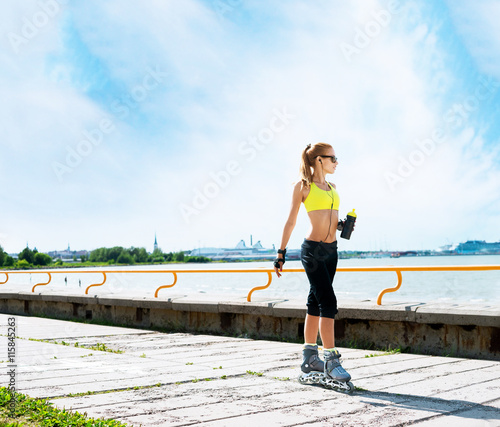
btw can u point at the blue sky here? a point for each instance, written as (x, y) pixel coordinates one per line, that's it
(187, 119)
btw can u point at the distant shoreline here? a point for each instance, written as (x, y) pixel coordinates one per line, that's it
(77, 264)
(104, 264)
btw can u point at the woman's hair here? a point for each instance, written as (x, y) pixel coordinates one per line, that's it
(307, 161)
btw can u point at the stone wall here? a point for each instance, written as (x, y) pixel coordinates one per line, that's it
(460, 331)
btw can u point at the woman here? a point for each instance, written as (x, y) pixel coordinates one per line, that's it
(318, 256)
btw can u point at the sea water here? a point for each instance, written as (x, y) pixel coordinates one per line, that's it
(476, 287)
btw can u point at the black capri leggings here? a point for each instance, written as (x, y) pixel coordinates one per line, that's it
(320, 262)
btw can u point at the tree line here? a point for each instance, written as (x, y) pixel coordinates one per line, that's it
(115, 255)
(25, 258)
(120, 255)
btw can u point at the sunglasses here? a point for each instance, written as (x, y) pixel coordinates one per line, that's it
(334, 159)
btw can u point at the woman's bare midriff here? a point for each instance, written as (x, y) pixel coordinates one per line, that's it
(320, 221)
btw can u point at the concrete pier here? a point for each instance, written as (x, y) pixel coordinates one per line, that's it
(456, 329)
(181, 379)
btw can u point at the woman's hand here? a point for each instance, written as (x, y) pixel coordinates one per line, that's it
(278, 262)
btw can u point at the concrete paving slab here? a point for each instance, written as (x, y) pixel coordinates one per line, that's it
(232, 386)
(487, 415)
(257, 382)
(428, 371)
(32, 327)
(436, 385)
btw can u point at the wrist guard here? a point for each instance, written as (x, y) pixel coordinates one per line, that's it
(340, 225)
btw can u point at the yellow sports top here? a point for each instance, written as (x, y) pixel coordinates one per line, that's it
(318, 199)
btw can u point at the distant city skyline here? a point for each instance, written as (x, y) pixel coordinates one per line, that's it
(188, 120)
(243, 244)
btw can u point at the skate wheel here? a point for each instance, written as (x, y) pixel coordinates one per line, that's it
(316, 377)
(351, 387)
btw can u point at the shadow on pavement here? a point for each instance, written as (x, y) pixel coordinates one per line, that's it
(435, 406)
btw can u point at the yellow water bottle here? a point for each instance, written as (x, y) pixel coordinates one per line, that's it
(348, 225)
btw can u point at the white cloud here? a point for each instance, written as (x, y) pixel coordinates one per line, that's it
(224, 81)
(477, 23)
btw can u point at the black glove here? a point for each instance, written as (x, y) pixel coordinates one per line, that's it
(278, 260)
(340, 225)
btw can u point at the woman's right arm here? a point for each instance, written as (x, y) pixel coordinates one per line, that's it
(291, 221)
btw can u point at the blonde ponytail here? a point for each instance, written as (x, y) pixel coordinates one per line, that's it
(305, 167)
(307, 161)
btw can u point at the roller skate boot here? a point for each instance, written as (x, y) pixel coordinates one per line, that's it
(312, 367)
(335, 376)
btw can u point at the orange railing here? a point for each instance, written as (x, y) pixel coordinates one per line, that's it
(105, 272)
(397, 269)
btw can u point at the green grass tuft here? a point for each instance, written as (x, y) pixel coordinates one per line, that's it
(28, 411)
(259, 374)
(385, 353)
